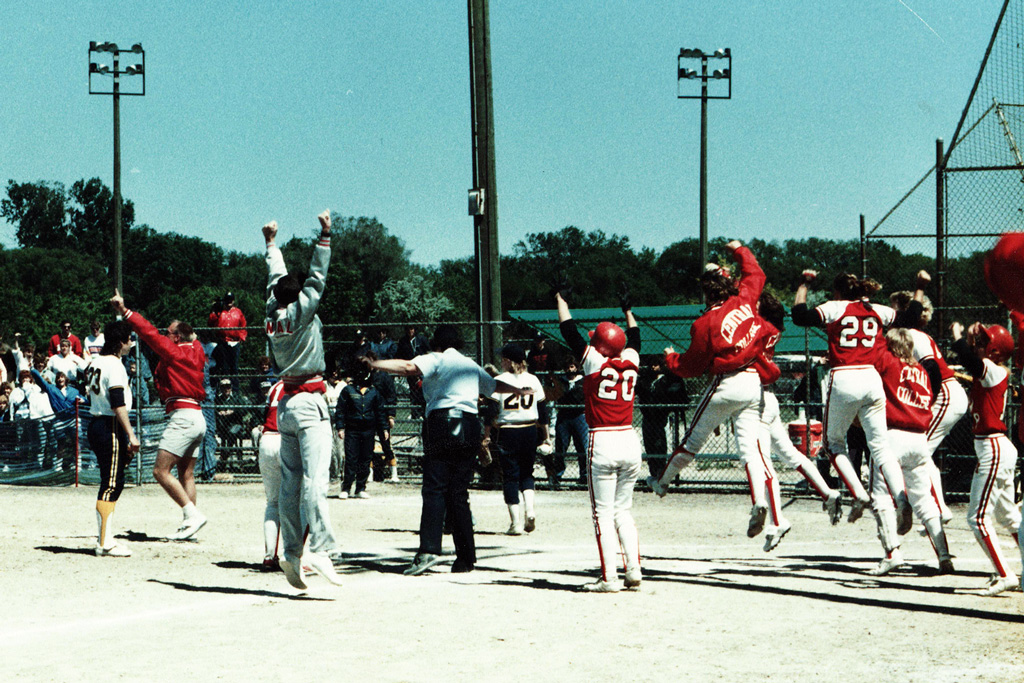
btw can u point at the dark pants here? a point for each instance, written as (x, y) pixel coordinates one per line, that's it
(451, 440)
(358, 452)
(568, 430)
(110, 444)
(226, 358)
(655, 442)
(385, 458)
(517, 450)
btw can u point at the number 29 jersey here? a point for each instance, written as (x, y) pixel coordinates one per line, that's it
(855, 330)
(609, 385)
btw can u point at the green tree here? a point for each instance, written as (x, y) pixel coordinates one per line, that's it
(411, 299)
(38, 212)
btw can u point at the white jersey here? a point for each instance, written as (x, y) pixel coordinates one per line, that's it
(519, 409)
(104, 374)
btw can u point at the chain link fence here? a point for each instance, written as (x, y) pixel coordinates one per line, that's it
(951, 218)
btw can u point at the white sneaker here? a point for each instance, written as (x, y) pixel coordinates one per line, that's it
(833, 505)
(343, 495)
(758, 515)
(322, 565)
(633, 578)
(1000, 584)
(774, 535)
(602, 587)
(189, 528)
(362, 494)
(113, 551)
(294, 572)
(657, 486)
(514, 530)
(888, 564)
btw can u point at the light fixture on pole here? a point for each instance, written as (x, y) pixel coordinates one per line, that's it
(686, 81)
(96, 51)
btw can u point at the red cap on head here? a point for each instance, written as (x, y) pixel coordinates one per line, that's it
(998, 343)
(608, 339)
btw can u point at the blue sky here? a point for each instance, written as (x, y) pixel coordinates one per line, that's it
(262, 110)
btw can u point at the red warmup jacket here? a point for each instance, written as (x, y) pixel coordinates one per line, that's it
(54, 347)
(179, 374)
(727, 336)
(233, 317)
(765, 365)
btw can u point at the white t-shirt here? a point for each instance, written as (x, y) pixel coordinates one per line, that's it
(451, 380)
(103, 374)
(519, 409)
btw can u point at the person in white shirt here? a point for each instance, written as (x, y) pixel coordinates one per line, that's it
(71, 364)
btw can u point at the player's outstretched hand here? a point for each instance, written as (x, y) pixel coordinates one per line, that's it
(808, 276)
(733, 245)
(669, 349)
(624, 300)
(270, 231)
(117, 303)
(957, 329)
(325, 220)
(923, 279)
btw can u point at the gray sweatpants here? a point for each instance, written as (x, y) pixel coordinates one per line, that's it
(305, 426)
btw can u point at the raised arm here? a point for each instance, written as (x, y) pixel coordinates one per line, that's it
(160, 344)
(632, 329)
(752, 278)
(800, 314)
(567, 325)
(973, 364)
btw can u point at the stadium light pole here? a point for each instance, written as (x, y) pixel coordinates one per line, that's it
(685, 78)
(97, 69)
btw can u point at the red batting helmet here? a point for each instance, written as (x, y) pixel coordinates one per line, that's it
(998, 343)
(1004, 270)
(608, 339)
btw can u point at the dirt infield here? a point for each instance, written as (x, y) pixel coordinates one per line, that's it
(713, 606)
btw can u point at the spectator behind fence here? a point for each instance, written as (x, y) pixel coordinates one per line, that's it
(179, 381)
(70, 364)
(382, 346)
(23, 355)
(206, 461)
(62, 399)
(65, 333)
(94, 341)
(225, 314)
(264, 373)
(657, 386)
(385, 386)
(570, 424)
(231, 419)
(409, 346)
(335, 384)
(359, 415)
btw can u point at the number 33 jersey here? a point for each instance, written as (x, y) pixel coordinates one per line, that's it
(855, 330)
(518, 409)
(609, 385)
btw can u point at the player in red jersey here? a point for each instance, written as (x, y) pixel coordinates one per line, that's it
(610, 368)
(982, 353)
(950, 402)
(773, 437)
(908, 400)
(179, 381)
(725, 341)
(854, 326)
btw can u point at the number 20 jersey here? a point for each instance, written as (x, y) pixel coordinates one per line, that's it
(609, 385)
(855, 331)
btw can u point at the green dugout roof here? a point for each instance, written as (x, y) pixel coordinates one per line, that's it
(662, 326)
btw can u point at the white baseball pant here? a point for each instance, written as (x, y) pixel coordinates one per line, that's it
(992, 496)
(773, 438)
(910, 450)
(855, 391)
(950, 405)
(270, 471)
(613, 458)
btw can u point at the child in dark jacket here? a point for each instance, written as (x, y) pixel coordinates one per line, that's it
(359, 414)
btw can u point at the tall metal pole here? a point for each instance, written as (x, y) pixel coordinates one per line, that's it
(486, 224)
(117, 176)
(940, 237)
(703, 162)
(863, 249)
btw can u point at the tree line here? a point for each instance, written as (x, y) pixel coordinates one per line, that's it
(62, 268)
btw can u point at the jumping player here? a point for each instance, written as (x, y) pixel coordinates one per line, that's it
(294, 332)
(982, 353)
(772, 438)
(726, 340)
(111, 436)
(179, 381)
(270, 472)
(854, 326)
(950, 398)
(610, 368)
(908, 400)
